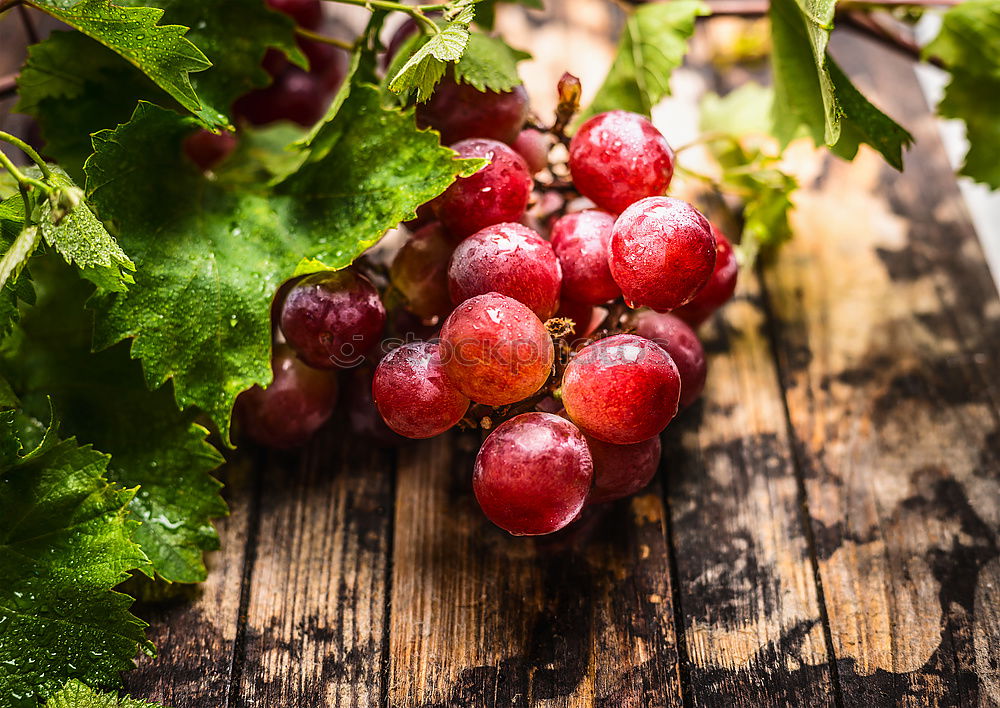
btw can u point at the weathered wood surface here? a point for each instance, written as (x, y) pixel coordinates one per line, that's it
(824, 530)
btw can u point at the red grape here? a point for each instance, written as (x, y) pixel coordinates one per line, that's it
(274, 62)
(207, 149)
(623, 389)
(413, 394)
(532, 474)
(719, 288)
(332, 319)
(420, 272)
(298, 401)
(617, 158)
(509, 259)
(326, 62)
(459, 111)
(580, 241)
(682, 344)
(496, 350)
(306, 13)
(398, 39)
(662, 252)
(622, 470)
(586, 318)
(533, 145)
(498, 192)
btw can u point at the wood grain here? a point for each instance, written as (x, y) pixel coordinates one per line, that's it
(316, 602)
(746, 589)
(481, 618)
(887, 326)
(195, 632)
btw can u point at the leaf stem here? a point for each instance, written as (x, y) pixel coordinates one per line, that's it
(317, 37)
(29, 151)
(414, 11)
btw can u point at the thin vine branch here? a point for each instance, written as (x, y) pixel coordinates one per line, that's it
(23, 180)
(414, 11)
(317, 37)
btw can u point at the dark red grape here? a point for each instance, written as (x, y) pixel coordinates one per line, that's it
(459, 111)
(298, 401)
(532, 474)
(398, 39)
(295, 95)
(306, 13)
(499, 192)
(363, 417)
(332, 319)
(207, 149)
(580, 241)
(425, 215)
(719, 288)
(623, 389)
(509, 259)
(496, 351)
(617, 158)
(420, 272)
(622, 470)
(533, 145)
(662, 252)
(682, 344)
(586, 318)
(414, 395)
(326, 62)
(274, 62)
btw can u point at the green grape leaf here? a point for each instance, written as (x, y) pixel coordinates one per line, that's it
(812, 93)
(78, 695)
(427, 64)
(969, 46)
(652, 45)
(161, 52)
(486, 10)
(102, 400)
(102, 90)
(740, 123)
(488, 63)
(65, 542)
(212, 255)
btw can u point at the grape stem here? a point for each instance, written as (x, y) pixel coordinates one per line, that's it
(414, 11)
(31, 153)
(317, 37)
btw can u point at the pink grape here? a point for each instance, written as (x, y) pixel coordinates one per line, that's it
(532, 474)
(459, 111)
(499, 192)
(622, 470)
(617, 158)
(719, 288)
(679, 341)
(420, 272)
(580, 241)
(509, 259)
(533, 145)
(332, 319)
(207, 149)
(496, 350)
(414, 395)
(662, 252)
(293, 407)
(306, 13)
(623, 389)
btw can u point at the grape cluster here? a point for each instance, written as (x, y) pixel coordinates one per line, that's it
(550, 304)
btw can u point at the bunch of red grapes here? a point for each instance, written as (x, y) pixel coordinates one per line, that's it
(565, 332)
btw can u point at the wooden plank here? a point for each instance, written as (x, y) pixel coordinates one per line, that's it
(746, 589)
(481, 618)
(195, 637)
(888, 326)
(316, 602)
